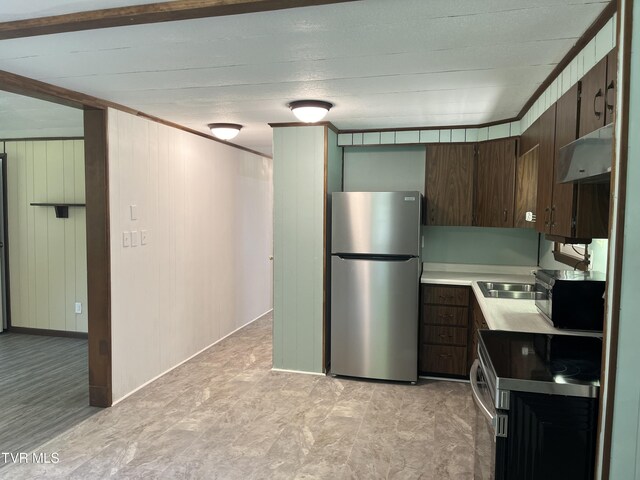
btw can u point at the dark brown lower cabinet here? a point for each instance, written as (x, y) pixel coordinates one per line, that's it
(445, 360)
(476, 322)
(444, 330)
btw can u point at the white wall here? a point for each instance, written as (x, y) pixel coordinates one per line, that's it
(47, 255)
(625, 441)
(205, 271)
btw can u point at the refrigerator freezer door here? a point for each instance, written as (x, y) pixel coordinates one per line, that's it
(378, 223)
(374, 318)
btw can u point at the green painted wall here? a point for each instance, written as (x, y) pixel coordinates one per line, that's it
(298, 237)
(381, 169)
(625, 447)
(480, 246)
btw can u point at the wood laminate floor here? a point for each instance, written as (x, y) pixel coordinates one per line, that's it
(226, 415)
(44, 389)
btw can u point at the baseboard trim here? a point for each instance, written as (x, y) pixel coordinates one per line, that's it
(47, 333)
(444, 379)
(284, 370)
(189, 358)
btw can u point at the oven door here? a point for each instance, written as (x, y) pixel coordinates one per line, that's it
(491, 430)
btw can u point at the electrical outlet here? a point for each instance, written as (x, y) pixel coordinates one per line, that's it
(126, 239)
(135, 238)
(144, 237)
(78, 307)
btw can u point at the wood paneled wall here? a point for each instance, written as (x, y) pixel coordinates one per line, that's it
(205, 270)
(47, 255)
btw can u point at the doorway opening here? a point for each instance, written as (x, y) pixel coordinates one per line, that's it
(44, 339)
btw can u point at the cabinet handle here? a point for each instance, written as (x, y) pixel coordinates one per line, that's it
(546, 212)
(608, 105)
(446, 315)
(504, 213)
(445, 355)
(442, 335)
(595, 99)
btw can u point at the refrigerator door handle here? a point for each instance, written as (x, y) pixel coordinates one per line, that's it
(376, 258)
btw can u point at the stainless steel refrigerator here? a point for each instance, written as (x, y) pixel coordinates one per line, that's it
(375, 276)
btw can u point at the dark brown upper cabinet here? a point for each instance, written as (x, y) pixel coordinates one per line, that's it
(567, 212)
(526, 188)
(545, 133)
(495, 183)
(597, 97)
(562, 208)
(449, 184)
(610, 92)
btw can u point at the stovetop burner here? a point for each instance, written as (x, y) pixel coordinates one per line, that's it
(575, 369)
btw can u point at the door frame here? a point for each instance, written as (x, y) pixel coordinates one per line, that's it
(4, 238)
(97, 218)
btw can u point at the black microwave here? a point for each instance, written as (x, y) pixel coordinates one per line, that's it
(571, 299)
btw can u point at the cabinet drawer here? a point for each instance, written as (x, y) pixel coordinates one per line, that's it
(449, 316)
(444, 335)
(445, 295)
(441, 359)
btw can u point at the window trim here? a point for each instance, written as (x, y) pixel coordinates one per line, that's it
(574, 261)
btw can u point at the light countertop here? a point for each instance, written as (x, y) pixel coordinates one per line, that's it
(499, 313)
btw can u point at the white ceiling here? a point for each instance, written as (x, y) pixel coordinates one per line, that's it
(384, 64)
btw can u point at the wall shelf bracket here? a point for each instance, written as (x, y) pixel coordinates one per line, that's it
(62, 209)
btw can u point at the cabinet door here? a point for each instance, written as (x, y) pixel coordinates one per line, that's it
(562, 209)
(495, 183)
(610, 94)
(445, 295)
(526, 188)
(476, 323)
(592, 98)
(449, 184)
(546, 155)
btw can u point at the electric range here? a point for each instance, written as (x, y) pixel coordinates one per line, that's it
(537, 398)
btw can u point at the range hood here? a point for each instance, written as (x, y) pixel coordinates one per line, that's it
(588, 159)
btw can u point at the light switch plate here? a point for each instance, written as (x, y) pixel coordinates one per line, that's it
(78, 307)
(144, 237)
(134, 212)
(135, 238)
(126, 239)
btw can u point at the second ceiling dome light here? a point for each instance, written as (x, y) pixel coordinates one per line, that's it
(310, 111)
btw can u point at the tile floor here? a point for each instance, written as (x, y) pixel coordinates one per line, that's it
(226, 415)
(43, 389)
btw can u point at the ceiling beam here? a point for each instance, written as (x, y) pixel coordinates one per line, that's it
(150, 13)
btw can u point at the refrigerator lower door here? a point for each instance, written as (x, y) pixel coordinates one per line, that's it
(374, 318)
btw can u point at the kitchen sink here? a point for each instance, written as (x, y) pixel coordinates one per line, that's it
(511, 287)
(512, 294)
(520, 291)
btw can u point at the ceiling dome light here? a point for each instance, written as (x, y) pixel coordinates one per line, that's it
(225, 131)
(310, 111)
